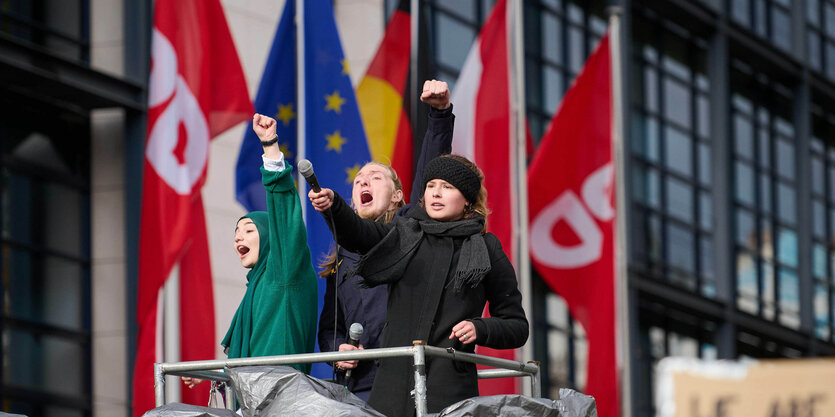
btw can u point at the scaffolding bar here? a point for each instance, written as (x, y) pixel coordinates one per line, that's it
(420, 377)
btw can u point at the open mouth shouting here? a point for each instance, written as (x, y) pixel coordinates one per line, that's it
(366, 197)
(242, 250)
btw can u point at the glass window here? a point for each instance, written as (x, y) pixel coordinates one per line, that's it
(58, 26)
(670, 150)
(762, 256)
(45, 258)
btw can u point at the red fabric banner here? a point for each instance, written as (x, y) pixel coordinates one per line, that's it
(572, 218)
(196, 90)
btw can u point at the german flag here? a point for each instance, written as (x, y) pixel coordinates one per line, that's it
(381, 99)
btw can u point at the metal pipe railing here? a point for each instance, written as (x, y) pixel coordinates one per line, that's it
(418, 352)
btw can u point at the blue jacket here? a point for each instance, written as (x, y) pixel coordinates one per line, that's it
(367, 306)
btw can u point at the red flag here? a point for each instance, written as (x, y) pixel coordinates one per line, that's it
(483, 134)
(380, 98)
(573, 218)
(196, 90)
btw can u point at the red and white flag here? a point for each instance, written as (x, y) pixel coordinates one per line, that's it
(484, 134)
(196, 91)
(572, 226)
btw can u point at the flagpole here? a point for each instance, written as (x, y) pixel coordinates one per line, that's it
(523, 260)
(171, 330)
(414, 29)
(301, 126)
(621, 266)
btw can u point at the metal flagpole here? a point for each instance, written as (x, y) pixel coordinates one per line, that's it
(414, 30)
(523, 260)
(301, 127)
(171, 329)
(621, 267)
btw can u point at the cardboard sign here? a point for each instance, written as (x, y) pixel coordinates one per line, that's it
(775, 388)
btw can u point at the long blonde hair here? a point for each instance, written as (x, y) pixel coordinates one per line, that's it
(328, 262)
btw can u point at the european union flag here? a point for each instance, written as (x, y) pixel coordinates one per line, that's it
(335, 139)
(276, 98)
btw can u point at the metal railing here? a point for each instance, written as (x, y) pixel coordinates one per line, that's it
(418, 351)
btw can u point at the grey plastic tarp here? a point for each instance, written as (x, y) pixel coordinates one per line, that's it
(570, 404)
(277, 391)
(185, 410)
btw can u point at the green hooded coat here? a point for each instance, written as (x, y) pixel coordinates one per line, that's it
(277, 315)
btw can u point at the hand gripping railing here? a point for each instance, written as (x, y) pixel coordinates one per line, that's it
(418, 351)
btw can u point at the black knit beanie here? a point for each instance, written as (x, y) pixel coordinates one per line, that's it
(455, 173)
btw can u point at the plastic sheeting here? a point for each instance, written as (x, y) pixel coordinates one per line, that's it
(277, 391)
(570, 404)
(185, 410)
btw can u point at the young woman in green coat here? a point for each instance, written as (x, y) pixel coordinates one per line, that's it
(277, 315)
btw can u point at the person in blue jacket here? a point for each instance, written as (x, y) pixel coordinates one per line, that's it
(378, 195)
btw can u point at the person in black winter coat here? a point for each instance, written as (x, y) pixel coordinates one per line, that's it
(378, 195)
(441, 268)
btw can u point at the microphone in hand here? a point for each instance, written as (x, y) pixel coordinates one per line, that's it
(306, 169)
(354, 335)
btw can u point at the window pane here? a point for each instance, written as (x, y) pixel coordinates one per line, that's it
(746, 236)
(787, 203)
(680, 247)
(817, 175)
(814, 45)
(678, 152)
(551, 38)
(787, 249)
(46, 289)
(785, 159)
(553, 83)
(768, 290)
(819, 261)
(679, 196)
(706, 267)
(789, 298)
(765, 193)
(645, 141)
(703, 108)
(41, 361)
(677, 102)
(740, 11)
(705, 211)
(821, 312)
(705, 170)
(651, 89)
(818, 220)
(746, 283)
(743, 137)
(648, 186)
(780, 28)
(744, 183)
(457, 37)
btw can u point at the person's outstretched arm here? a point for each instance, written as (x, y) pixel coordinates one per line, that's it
(354, 233)
(289, 254)
(438, 138)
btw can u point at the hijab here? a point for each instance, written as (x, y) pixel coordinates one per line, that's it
(236, 341)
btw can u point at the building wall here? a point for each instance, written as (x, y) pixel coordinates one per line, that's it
(111, 370)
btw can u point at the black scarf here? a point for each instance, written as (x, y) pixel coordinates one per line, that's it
(387, 260)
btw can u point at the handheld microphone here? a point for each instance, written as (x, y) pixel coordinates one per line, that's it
(354, 335)
(306, 169)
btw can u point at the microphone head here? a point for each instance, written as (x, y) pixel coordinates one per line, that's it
(306, 169)
(355, 332)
